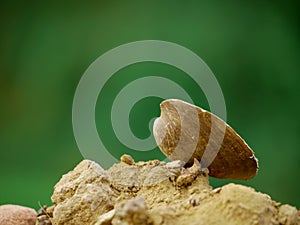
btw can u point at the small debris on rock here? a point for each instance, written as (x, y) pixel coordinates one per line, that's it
(44, 215)
(127, 159)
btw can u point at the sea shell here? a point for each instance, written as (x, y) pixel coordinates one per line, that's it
(184, 132)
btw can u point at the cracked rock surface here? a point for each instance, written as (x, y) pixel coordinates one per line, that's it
(159, 193)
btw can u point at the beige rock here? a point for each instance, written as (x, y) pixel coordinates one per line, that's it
(288, 215)
(159, 193)
(82, 195)
(230, 205)
(235, 204)
(84, 173)
(17, 215)
(127, 159)
(106, 218)
(148, 174)
(132, 212)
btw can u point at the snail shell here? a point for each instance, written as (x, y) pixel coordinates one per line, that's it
(184, 132)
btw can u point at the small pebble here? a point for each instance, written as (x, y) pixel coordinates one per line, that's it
(17, 215)
(127, 159)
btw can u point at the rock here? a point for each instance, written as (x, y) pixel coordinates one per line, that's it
(84, 173)
(159, 193)
(150, 174)
(236, 204)
(127, 159)
(132, 212)
(17, 215)
(288, 215)
(188, 175)
(82, 195)
(106, 218)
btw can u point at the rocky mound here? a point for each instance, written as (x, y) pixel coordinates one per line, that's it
(158, 193)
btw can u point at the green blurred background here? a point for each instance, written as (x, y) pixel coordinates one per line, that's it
(252, 48)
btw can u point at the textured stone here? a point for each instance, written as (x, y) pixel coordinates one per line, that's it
(106, 218)
(17, 215)
(160, 193)
(82, 195)
(132, 212)
(288, 215)
(235, 204)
